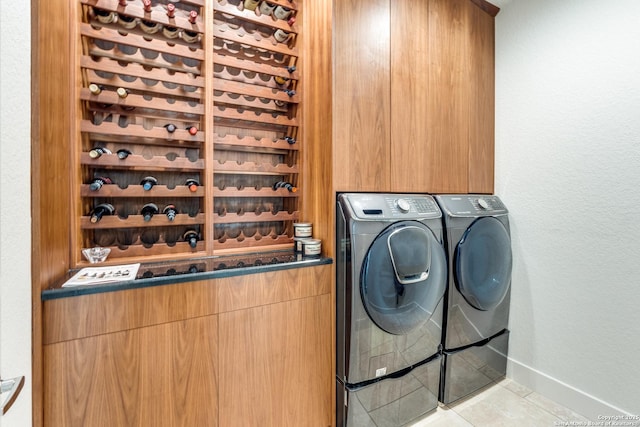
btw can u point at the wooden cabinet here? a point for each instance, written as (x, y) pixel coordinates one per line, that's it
(413, 96)
(244, 350)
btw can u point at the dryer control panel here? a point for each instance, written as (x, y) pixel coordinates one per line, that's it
(376, 206)
(472, 205)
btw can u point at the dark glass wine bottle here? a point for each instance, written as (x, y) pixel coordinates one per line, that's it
(96, 152)
(193, 184)
(191, 236)
(148, 182)
(123, 153)
(105, 16)
(98, 182)
(170, 211)
(171, 128)
(101, 210)
(285, 185)
(148, 211)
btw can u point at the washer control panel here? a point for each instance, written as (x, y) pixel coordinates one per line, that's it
(472, 205)
(392, 206)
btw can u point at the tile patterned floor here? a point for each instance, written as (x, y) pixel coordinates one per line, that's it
(505, 403)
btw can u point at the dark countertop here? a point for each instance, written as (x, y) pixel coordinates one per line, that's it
(189, 270)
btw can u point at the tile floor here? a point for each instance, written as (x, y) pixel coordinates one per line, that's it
(505, 403)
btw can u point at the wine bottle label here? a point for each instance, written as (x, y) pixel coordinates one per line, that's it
(127, 22)
(267, 8)
(170, 32)
(281, 36)
(251, 4)
(190, 36)
(281, 12)
(106, 17)
(149, 27)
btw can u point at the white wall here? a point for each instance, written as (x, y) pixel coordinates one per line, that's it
(15, 208)
(568, 167)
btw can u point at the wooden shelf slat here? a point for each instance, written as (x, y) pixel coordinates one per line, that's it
(241, 102)
(133, 190)
(253, 168)
(138, 162)
(257, 67)
(251, 16)
(252, 192)
(158, 13)
(137, 70)
(248, 141)
(251, 242)
(137, 221)
(134, 130)
(254, 90)
(234, 218)
(137, 40)
(268, 44)
(252, 116)
(134, 100)
(136, 251)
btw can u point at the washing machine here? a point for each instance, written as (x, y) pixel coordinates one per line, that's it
(391, 275)
(476, 310)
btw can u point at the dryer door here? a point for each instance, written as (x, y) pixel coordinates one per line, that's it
(403, 277)
(483, 263)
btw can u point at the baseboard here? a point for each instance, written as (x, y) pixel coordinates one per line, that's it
(560, 392)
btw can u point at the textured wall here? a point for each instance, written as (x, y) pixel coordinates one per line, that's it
(15, 210)
(568, 167)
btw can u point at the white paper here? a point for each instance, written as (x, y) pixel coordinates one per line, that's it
(100, 275)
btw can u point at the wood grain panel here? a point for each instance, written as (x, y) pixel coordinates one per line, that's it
(316, 160)
(235, 293)
(164, 375)
(448, 96)
(412, 152)
(88, 315)
(50, 145)
(361, 94)
(272, 373)
(482, 113)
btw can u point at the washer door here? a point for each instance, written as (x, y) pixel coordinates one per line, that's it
(403, 277)
(483, 263)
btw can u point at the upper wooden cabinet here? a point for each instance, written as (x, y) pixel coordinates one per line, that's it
(413, 96)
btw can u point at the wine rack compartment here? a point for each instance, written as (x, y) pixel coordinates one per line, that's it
(189, 117)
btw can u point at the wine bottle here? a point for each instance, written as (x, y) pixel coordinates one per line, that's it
(127, 21)
(290, 140)
(192, 130)
(290, 92)
(105, 16)
(101, 210)
(171, 128)
(286, 185)
(281, 36)
(170, 211)
(123, 153)
(146, 5)
(148, 182)
(192, 184)
(190, 36)
(193, 16)
(281, 12)
(191, 236)
(282, 81)
(266, 8)
(170, 32)
(250, 4)
(148, 211)
(96, 152)
(171, 10)
(122, 92)
(98, 182)
(95, 89)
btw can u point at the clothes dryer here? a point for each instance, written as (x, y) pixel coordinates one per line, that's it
(391, 275)
(476, 311)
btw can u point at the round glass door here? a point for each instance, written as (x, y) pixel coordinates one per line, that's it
(403, 277)
(483, 263)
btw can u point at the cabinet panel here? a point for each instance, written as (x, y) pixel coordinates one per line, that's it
(482, 114)
(361, 95)
(275, 364)
(163, 375)
(412, 151)
(448, 125)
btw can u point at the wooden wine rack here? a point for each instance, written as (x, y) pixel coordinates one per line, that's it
(201, 90)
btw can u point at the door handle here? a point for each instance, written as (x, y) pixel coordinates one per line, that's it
(13, 386)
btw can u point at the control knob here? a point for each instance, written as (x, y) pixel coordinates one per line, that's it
(403, 205)
(483, 203)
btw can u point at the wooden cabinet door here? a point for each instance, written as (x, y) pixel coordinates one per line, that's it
(361, 115)
(163, 375)
(275, 365)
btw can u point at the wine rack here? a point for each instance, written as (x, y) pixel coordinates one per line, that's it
(203, 91)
